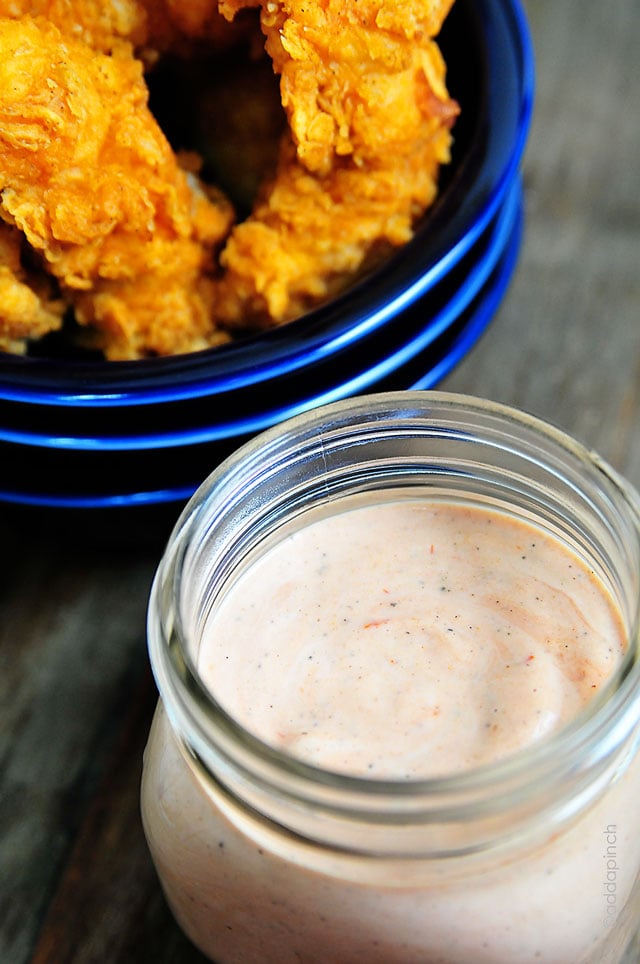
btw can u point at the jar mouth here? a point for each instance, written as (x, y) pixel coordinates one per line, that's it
(452, 443)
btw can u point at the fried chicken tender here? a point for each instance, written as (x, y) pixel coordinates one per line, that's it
(369, 115)
(91, 182)
(29, 307)
(143, 253)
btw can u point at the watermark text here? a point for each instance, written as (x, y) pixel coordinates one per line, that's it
(611, 869)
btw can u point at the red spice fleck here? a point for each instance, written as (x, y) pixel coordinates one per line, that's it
(432, 548)
(374, 623)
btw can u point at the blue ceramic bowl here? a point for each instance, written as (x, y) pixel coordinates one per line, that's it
(82, 439)
(133, 470)
(414, 334)
(490, 72)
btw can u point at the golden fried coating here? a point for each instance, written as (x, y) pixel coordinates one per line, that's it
(354, 73)
(90, 180)
(29, 307)
(363, 87)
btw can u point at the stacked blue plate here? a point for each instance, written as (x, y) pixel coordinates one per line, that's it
(112, 437)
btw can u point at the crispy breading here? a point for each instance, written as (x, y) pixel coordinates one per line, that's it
(29, 305)
(363, 86)
(90, 180)
(354, 75)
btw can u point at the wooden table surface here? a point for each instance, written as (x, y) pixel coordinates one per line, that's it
(76, 693)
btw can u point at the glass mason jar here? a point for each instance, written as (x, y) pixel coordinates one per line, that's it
(265, 858)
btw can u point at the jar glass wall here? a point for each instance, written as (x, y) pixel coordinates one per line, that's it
(264, 857)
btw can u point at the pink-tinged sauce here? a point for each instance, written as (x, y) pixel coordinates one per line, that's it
(400, 640)
(411, 639)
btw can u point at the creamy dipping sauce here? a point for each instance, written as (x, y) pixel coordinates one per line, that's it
(401, 639)
(411, 639)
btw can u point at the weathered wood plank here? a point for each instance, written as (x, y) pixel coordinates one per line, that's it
(108, 905)
(566, 342)
(72, 640)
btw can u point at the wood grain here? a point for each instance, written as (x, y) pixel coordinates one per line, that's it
(566, 341)
(76, 693)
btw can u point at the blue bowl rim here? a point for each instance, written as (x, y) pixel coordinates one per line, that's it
(443, 317)
(479, 318)
(470, 333)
